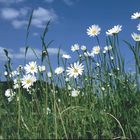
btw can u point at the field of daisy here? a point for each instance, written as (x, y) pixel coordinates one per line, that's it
(93, 97)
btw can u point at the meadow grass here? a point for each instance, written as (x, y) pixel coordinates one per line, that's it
(101, 103)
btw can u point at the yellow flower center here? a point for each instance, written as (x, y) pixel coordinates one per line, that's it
(94, 31)
(28, 81)
(96, 50)
(32, 68)
(75, 70)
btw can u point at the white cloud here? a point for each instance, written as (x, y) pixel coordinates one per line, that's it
(18, 18)
(20, 54)
(68, 2)
(49, 1)
(35, 34)
(7, 2)
(11, 13)
(41, 16)
(19, 23)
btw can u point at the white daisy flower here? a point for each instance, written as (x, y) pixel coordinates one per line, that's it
(49, 74)
(75, 47)
(41, 68)
(136, 37)
(59, 70)
(109, 47)
(97, 64)
(94, 30)
(114, 30)
(16, 84)
(67, 79)
(75, 93)
(102, 88)
(75, 70)
(95, 50)
(31, 68)
(69, 87)
(104, 51)
(6, 73)
(106, 48)
(88, 54)
(135, 15)
(138, 27)
(66, 56)
(9, 93)
(83, 48)
(28, 80)
(14, 73)
(112, 58)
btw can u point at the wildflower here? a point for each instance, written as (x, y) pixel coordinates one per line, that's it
(75, 93)
(9, 93)
(59, 70)
(66, 56)
(118, 68)
(95, 50)
(109, 47)
(44, 52)
(49, 74)
(110, 74)
(135, 15)
(16, 84)
(97, 64)
(114, 30)
(106, 48)
(69, 87)
(28, 80)
(102, 88)
(75, 69)
(6, 73)
(136, 37)
(94, 30)
(111, 57)
(104, 51)
(87, 54)
(31, 68)
(41, 68)
(138, 27)
(67, 79)
(14, 73)
(83, 48)
(80, 56)
(75, 47)
(59, 100)
(48, 110)
(20, 68)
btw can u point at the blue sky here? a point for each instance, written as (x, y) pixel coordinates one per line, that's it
(70, 19)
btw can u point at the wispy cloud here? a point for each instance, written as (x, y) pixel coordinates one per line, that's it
(20, 54)
(9, 13)
(41, 16)
(19, 23)
(49, 1)
(7, 2)
(67, 2)
(18, 18)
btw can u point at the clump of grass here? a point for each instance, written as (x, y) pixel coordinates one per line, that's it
(92, 98)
